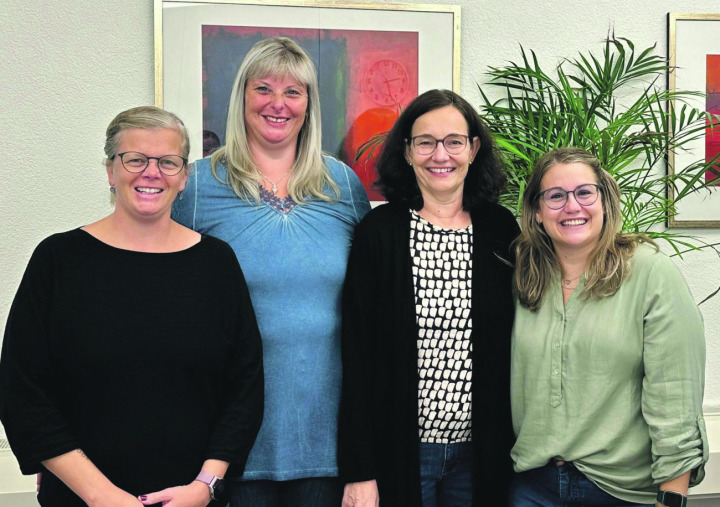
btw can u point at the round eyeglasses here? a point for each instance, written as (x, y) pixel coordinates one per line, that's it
(136, 162)
(426, 145)
(556, 197)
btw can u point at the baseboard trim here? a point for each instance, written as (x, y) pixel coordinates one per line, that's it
(24, 487)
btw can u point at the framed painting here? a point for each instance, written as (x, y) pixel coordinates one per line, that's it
(694, 57)
(371, 59)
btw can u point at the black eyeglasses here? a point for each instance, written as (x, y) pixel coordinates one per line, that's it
(556, 197)
(136, 162)
(426, 145)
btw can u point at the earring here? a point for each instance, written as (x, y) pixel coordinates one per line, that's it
(180, 195)
(112, 190)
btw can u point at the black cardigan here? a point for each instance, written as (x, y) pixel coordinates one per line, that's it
(379, 436)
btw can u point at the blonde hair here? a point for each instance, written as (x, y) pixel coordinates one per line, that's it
(143, 117)
(279, 56)
(537, 264)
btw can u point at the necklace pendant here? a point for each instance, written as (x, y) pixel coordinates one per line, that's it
(274, 189)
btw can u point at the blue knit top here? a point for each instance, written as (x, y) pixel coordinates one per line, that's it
(294, 259)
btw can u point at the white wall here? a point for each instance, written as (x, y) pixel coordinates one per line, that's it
(68, 67)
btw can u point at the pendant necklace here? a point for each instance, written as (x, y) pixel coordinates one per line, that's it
(274, 183)
(568, 281)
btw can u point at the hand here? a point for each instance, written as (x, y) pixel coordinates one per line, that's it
(361, 494)
(116, 497)
(195, 494)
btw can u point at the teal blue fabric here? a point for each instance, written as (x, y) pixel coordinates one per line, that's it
(294, 264)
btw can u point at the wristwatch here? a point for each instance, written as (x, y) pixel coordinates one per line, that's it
(215, 483)
(671, 498)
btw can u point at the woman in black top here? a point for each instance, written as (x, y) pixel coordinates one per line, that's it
(426, 320)
(131, 369)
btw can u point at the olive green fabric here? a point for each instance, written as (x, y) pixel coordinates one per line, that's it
(614, 385)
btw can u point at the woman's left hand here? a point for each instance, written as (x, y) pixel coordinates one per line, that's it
(195, 494)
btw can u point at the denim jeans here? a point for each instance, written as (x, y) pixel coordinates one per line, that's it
(446, 474)
(312, 492)
(564, 485)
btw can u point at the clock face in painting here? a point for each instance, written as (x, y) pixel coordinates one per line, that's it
(386, 82)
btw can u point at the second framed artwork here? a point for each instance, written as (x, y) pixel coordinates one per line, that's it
(694, 57)
(372, 60)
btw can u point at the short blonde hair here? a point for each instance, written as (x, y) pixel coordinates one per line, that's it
(143, 117)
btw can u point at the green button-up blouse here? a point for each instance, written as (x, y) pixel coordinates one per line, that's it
(614, 385)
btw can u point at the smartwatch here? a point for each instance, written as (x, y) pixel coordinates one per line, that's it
(671, 498)
(215, 483)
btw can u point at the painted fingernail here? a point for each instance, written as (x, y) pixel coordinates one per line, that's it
(143, 498)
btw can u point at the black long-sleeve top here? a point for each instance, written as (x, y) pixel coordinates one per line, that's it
(150, 363)
(378, 433)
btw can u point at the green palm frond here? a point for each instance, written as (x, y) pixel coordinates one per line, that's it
(614, 105)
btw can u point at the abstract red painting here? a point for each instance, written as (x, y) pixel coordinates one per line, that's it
(365, 78)
(712, 133)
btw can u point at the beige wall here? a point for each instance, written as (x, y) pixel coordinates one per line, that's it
(68, 67)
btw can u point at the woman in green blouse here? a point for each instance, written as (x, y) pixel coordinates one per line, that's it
(608, 352)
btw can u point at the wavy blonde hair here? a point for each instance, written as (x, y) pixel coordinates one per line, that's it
(278, 56)
(537, 264)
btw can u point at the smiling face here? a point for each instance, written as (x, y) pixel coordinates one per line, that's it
(275, 109)
(148, 194)
(572, 228)
(441, 175)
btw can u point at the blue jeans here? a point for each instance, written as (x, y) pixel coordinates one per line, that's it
(446, 474)
(564, 485)
(312, 492)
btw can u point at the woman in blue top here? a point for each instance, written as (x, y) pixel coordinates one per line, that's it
(289, 213)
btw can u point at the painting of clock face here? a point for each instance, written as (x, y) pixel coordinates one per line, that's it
(372, 59)
(387, 82)
(365, 78)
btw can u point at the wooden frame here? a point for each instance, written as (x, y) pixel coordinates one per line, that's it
(691, 39)
(182, 28)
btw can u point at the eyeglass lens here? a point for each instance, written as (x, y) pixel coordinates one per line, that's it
(136, 162)
(425, 145)
(557, 197)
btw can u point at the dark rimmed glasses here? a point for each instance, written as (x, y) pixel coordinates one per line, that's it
(556, 197)
(136, 162)
(426, 145)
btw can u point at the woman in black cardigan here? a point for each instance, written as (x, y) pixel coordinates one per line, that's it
(427, 317)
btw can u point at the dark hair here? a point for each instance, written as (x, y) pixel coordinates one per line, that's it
(211, 142)
(396, 179)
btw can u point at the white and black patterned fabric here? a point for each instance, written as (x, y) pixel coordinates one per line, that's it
(442, 279)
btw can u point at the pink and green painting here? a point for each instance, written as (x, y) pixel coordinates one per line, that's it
(712, 133)
(365, 78)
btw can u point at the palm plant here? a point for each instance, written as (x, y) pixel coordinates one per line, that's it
(614, 107)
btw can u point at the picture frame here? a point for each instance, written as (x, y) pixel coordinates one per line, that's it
(693, 48)
(199, 45)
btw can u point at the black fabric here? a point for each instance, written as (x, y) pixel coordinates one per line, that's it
(149, 362)
(378, 414)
